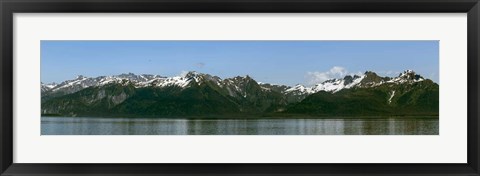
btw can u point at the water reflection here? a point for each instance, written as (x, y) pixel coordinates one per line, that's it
(126, 126)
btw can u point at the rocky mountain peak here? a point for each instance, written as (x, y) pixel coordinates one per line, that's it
(192, 74)
(371, 79)
(201, 78)
(238, 83)
(80, 77)
(410, 75)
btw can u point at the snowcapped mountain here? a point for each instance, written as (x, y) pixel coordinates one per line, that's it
(332, 85)
(196, 93)
(82, 82)
(368, 79)
(47, 87)
(408, 76)
(235, 87)
(144, 80)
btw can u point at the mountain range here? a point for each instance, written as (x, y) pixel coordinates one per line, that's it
(199, 95)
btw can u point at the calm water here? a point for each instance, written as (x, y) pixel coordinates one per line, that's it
(126, 126)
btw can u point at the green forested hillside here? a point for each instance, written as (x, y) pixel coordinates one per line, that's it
(421, 98)
(206, 95)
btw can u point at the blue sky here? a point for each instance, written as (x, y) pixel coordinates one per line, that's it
(279, 62)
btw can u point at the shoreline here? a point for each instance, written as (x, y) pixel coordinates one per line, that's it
(253, 117)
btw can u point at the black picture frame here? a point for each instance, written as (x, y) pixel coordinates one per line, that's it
(9, 7)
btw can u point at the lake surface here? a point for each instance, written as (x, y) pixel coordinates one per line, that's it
(132, 126)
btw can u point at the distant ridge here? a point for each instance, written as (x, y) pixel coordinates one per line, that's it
(197, 93)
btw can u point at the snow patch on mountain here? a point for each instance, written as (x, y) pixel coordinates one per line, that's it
(391, 96)
(408, 76)
(172, 81)
(332, 85)
(349, 81)
(235, 86)
(300, 89)
(47, 87)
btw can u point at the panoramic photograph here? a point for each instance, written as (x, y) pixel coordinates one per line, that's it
(239, 87)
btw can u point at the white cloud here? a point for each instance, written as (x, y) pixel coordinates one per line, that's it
(319, 77)
(200, 65)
